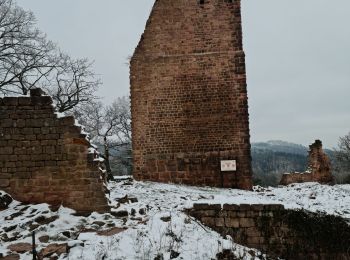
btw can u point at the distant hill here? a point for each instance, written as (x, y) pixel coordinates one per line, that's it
(281, 146)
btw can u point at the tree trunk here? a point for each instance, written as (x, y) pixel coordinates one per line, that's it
(107, 163)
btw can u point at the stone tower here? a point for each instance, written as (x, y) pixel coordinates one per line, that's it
(189, 96)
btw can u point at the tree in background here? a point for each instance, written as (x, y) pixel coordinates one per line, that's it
(74, 83)
(26, 56)
(342, 159)
(109, 127)
(269, 165)
(28, 60)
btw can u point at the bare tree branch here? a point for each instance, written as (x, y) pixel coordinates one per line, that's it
(26, 56)
(342, 157)
(109, 126)
(28, 60)
(74, 83)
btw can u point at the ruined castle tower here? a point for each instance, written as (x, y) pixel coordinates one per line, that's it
(319, 168)
(189, 98)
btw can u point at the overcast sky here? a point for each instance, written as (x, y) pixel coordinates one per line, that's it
(298, 58)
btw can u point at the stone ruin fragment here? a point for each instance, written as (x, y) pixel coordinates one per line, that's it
(319, 168)
(46, 159)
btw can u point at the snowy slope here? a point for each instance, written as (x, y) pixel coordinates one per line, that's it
(155, 224)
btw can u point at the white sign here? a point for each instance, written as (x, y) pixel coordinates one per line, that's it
(228, 165)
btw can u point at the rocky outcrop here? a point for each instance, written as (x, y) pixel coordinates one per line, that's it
(5, 200)
(319, 169)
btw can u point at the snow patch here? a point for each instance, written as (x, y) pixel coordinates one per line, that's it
(156, 223)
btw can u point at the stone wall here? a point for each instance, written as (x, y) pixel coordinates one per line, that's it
(189, 97)
(46, 159)
(278, 232)
(319, 168)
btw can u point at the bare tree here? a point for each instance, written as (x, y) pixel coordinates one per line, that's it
(28, 59)
(109, 126)
(343, 151)
(342, 156)
(74, 83)
(26, 56)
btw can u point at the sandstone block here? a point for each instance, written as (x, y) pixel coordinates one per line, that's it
(231, 222)
(20, 248)
(220, 222)
(201, 206)
(24, 101)
(6, 123)
(245, 207)
(66, 121)
(246, 222)
(6, 150)
(209, 221)
(231, 207)
(10, 101)
(257, 207)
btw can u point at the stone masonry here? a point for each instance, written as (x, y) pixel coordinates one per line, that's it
(189, 97)
(319, 169)
(279, 232)
(46, 159)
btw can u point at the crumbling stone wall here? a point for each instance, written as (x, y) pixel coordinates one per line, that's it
(319, 169)
(46, 159)
(189, 97)
(288, 234)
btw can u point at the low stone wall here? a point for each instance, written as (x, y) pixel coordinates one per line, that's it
(45, 159)
(296, 177)
(289, 234)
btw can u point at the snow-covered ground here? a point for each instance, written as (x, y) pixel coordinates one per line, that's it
(155, 225)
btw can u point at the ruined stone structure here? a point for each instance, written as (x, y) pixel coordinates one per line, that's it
(189, 96)
(319, 169)
(46, 159)
(278, 232)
